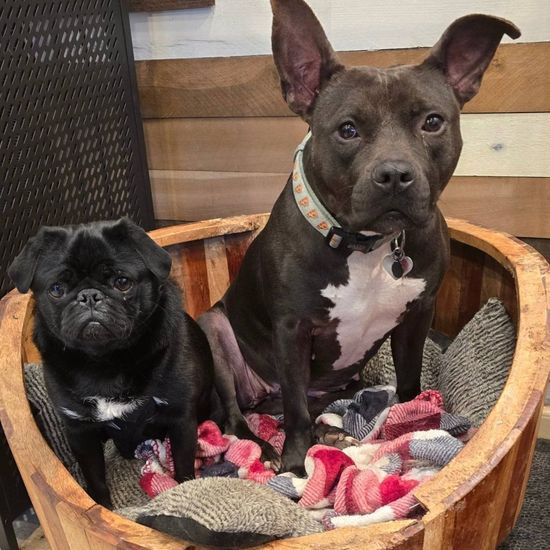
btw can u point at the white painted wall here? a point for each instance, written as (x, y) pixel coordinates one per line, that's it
(243, 27)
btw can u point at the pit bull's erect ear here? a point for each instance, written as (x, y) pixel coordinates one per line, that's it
(303, 55)
(23, 268)
(465, 50)
(157, 260)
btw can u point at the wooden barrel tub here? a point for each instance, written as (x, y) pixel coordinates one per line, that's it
(475, 500)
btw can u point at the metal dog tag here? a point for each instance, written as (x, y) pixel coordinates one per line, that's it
(397, 264)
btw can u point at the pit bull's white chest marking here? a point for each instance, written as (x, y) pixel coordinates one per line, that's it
(369, 304)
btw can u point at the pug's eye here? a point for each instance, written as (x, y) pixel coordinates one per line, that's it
(348, 131)
(433, 123)
(122, 283)
(57, 290)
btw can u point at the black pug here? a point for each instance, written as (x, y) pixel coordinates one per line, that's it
(122, 360)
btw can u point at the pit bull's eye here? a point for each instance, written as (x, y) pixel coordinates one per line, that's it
(57, 290)
(348, 131)
(122, 283)
(433, 123)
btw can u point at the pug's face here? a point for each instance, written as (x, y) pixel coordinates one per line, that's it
(95, 285)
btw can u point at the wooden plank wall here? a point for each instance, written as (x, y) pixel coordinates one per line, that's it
(220, 139)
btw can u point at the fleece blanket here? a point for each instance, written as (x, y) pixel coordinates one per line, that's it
(393, 448)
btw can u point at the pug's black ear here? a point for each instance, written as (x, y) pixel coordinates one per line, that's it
(465, 50)
(157, 260)
(23, 268)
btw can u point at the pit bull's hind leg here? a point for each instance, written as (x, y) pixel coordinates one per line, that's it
(228, 361)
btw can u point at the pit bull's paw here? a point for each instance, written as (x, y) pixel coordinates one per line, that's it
(293, 460)
(333, 436)
(270, 457)
(294, 465)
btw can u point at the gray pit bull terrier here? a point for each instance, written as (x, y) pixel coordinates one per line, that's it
(355, 248)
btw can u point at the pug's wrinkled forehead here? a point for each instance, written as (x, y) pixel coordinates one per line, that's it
(84, 248)
(90, 251)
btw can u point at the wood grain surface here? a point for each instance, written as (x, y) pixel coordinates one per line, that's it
(518, 80)
(518, 206)
(507, 144)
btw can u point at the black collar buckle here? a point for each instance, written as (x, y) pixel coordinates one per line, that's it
(338, 238)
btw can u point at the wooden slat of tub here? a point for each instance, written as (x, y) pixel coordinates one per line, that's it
(518, 485)
(74, 529)
(439, 530)
(470, 284)
(493, 504)
(493, 279)
(498, 282)
(483, 508)
(45, 506)
(176, 273)
(448, 298)
(236, 247)
(191, 264)
(177, 234)
(29, 350)
(508, 296)
(249, 85)
(527, 452)
(204, 269)
(472, 279)
(474, 523)
(70, 528)
(216, 268)
(222, 261)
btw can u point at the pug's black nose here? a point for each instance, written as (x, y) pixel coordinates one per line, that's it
(393, 176)
(89, 296)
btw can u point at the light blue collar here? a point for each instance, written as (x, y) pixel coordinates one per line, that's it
(321, 219)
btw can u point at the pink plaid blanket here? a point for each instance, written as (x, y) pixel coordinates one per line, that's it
(400, 446)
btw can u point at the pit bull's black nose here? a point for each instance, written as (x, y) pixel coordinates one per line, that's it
(89, 297)
(393, 176)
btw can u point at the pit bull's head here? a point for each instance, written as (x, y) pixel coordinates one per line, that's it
(385, 142)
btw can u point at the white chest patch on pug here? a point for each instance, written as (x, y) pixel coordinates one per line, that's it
(110, 409)
(71, 414)
(369, 305)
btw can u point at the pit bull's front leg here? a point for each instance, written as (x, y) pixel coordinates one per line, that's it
(407, 344)
(292, 346)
